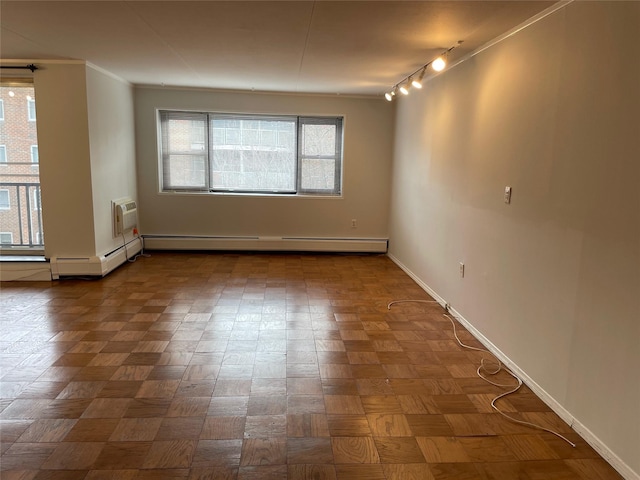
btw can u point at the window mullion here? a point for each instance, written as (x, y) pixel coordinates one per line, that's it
(298, 141)
(207, 141)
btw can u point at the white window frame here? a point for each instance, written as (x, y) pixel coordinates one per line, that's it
(31, 102)
(3, 155)
(10, 242)
(35, 159)
(8, 206)
(202, 152)
(1, 109)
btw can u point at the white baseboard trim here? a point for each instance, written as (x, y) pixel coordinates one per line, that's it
(25, 271)
(283, 244)
(588, 436)
(98, 266)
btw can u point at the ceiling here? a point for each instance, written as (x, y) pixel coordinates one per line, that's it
(345, 47)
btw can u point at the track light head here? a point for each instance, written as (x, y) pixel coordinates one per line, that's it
(417, 82)
(404, 89)
(388, 96)
(438, 64)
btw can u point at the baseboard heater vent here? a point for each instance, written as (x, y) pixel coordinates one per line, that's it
(271, 243)
(97, 266)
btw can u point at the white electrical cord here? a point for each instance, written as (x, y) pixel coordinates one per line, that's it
(483, 368)
(141, 254)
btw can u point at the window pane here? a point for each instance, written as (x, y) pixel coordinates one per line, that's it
(186, 135)
(4, 200)
(31, 109)
(185, 171)
(319, 174)
(3, 154)
(6, 238)
(318, 140)
(34, 154)
(248, 157)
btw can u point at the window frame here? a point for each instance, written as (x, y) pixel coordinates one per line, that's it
(164, 153)
(337, 156)
(4, 160)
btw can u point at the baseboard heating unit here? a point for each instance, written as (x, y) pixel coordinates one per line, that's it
(96, 265)
(282, 244)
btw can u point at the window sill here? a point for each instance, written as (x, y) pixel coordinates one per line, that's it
(250, 195)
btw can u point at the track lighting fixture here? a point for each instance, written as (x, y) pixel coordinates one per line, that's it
(437, 64)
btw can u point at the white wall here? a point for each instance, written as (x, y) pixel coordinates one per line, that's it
(65, 169)
(367, 165)
(552, 280)
(87, 156)
(112, 146)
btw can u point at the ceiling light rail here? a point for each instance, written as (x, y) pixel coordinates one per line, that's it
(415, 79)
(30, 66)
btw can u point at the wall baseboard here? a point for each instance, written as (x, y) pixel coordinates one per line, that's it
(25, 271)
(97, 266)
(588, 436)
(283, 244)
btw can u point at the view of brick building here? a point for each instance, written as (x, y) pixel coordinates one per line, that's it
(20, 206)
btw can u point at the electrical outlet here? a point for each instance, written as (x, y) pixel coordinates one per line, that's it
(354, 223)
(461, 268)
(507, 195)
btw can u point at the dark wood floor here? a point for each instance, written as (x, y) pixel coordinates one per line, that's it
(224, 366)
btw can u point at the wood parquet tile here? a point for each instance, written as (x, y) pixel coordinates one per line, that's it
(219, 366)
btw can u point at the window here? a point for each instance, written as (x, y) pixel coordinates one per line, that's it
(1, 109)
(36, 200)
(3, 154)
(31, 109)
(6, 238)
(251, 153)
(34, 154)
(5, 203)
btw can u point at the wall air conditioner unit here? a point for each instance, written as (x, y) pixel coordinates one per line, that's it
(125, 216)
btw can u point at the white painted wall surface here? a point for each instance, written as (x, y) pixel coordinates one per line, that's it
(87, 156)
(553, 279)
(368, 125)
(65, 169)
(112, 146)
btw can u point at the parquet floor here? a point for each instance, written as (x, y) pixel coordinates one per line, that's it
(254, 366)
